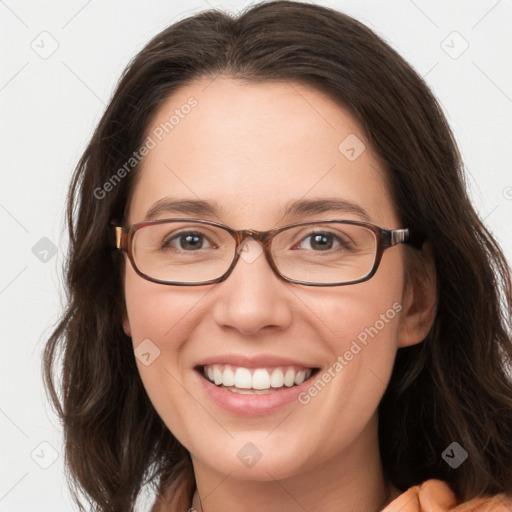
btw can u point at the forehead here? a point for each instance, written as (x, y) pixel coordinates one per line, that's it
(252, 148)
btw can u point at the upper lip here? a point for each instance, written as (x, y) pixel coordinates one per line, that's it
(259, 361)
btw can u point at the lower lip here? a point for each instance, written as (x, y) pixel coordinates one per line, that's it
(252, 405)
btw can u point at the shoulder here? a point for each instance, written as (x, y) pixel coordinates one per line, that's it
(436, 496)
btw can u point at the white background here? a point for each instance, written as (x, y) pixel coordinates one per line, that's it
(50, 106)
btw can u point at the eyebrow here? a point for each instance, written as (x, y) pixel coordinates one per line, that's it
(297, 208)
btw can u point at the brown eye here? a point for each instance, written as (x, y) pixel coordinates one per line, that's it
(187, 240)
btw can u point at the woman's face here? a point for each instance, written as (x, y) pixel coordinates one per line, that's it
(252, 149)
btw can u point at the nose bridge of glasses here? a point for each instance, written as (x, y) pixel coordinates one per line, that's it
(250, 255)
(244, 251)
(258, 236)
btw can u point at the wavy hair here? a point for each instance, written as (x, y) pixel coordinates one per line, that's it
(454, 386)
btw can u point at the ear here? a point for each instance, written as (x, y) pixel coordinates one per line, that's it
(126, 325)
(420, 301)
(123, 316)
(121, 312)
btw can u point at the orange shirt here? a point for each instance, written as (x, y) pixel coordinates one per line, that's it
(436, 496)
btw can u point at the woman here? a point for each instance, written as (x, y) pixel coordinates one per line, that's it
(354, 356)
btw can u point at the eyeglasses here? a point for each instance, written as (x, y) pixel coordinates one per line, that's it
(192, 252)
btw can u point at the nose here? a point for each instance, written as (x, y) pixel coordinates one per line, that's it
(252, 297)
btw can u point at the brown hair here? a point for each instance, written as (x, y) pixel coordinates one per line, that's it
(452, 387)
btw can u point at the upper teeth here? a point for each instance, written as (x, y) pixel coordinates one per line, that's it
(255, 378)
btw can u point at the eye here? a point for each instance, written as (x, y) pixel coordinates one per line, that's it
(324, 241)
(187, 241)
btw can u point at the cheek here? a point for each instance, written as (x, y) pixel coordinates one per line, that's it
(161, 320)
(361, 331)
(360, 326)
(159, 312)
(361, 313)
(362, 349)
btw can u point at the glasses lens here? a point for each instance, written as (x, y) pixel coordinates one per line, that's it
(325, 252)
(185, 252)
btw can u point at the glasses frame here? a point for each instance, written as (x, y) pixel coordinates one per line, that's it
(385, 239)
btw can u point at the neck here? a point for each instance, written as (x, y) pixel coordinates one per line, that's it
(353, 479)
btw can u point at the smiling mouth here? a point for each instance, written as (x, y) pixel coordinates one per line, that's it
(255, 381)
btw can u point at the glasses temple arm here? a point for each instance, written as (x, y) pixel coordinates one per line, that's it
(405, 235)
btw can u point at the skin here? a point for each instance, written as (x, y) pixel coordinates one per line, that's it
(252, 148)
